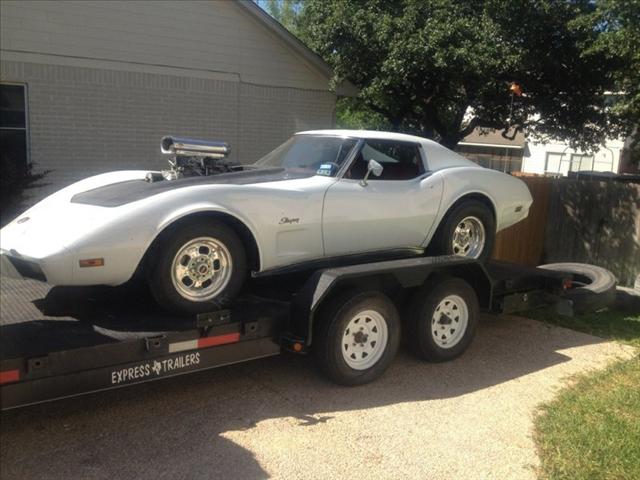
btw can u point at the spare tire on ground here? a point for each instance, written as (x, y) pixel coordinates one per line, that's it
(627, 300)
(593, 287)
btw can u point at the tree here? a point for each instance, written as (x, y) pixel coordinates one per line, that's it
(441, 68)
(618, 25)
(287, 12)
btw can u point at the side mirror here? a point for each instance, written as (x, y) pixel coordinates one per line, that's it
(372, 167)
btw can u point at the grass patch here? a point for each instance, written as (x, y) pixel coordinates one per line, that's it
(613, 324)
(592, 429)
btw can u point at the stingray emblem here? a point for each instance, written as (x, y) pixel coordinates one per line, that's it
(289, 221)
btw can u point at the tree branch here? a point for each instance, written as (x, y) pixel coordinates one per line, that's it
(470, 127)
(434, 120)
(382, 111)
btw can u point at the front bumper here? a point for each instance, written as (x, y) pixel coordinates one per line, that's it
(55, 270)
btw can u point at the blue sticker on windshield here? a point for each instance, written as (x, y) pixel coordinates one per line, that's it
(325, 169)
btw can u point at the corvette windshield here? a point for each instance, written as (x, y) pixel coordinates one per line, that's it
(323, 155)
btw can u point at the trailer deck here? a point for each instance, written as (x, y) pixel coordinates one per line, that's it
(57, 342)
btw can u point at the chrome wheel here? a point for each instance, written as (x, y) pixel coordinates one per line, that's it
(469, 238)
(364, 339)
(201, 269)
(449, 321)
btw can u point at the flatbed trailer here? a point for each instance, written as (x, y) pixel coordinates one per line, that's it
(58, 342)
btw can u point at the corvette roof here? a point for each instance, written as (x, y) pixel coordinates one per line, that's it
(366, 134)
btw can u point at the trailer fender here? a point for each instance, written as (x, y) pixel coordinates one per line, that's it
(406, 273)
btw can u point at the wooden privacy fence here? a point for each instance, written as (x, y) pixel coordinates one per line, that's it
(523, 242)
(577, 221)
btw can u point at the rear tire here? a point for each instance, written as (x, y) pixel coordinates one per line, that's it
(469, 215)
(442, 319)
(356, 338)
(197, 267)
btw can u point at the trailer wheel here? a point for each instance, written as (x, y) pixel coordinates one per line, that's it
(443, 316)
(357, 337)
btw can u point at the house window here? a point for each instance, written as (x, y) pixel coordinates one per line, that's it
(13, 128)
(553, 163)
(497, 158)
(581, 162)
(604, 164)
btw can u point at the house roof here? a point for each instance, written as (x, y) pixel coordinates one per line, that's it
(485, 137)
(345, 88)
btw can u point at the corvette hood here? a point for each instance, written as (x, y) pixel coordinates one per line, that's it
(53, 224)
(51, 227)
(123, 192)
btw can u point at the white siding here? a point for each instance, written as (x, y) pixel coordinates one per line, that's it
(206, 36)
(606, 158)
(84, 121)
(107, 79)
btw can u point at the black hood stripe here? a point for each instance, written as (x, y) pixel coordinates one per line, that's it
(121, 193)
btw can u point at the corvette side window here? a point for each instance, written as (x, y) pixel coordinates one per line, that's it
(400, 160)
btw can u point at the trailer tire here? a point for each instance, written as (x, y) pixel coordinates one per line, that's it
(371, 324)
(441, 304)
(594, 287)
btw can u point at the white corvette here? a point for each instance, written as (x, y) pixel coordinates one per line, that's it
(326, 195)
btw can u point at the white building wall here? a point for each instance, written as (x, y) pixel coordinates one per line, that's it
(106, 79)
(544, 158)
(204, 36)
(84, 121)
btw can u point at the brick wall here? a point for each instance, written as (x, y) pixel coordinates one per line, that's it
(84, 121)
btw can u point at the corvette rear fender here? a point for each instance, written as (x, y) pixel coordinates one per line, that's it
(241, 224)
(509, 196)
(445, 208)
(479, 195)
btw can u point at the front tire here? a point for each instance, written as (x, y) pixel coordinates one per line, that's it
(197, 267)
(468, 230)
(357, 337)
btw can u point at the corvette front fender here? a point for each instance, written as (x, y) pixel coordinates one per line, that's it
(213, 208)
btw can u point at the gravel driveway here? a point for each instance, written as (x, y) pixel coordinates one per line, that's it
(471, 418)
